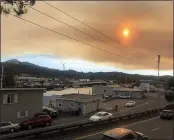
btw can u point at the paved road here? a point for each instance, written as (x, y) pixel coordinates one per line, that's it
(141, 105)
(155, 129)
(121, 110)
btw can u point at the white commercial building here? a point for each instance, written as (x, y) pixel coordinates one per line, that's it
(116, 91)
(83, 103)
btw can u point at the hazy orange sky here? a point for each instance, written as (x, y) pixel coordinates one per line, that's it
(150, 24)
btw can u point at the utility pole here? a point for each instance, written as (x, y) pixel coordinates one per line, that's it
(2, 74)
(173, 127)
(158, 81)
(126, 79)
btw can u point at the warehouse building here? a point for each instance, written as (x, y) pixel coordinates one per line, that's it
(104, 90)
(128, 93)
(78, 102)
(116, 91)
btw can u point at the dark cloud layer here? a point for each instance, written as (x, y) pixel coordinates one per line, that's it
(151, 24)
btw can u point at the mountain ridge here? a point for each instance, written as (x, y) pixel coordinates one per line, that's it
(15, 66)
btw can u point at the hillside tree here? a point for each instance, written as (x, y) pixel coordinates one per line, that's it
(16, 6)
(171, 83)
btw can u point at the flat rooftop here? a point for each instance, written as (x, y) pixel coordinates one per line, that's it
(79, 97)
(117, 86)
(21, 89)
(127, 89)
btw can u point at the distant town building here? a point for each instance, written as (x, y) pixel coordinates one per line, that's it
(84, 80)
(89, 84)
(128, 92)
(115, 91)
(145, 81)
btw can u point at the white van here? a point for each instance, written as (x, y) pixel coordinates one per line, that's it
(124, 96)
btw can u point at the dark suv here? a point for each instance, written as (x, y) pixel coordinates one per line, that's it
(40, 120)
(167, 114)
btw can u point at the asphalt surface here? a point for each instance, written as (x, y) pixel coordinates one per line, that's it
(141, 105)
(155, 129)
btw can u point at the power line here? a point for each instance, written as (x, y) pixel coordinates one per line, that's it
(89, 26)
(73, 38)
(84, 24)
(78, 30)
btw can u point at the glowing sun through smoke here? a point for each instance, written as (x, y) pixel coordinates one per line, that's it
(126, 32)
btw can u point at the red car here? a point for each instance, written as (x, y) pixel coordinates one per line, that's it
(40, 120)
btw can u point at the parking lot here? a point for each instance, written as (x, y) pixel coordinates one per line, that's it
(141, 105)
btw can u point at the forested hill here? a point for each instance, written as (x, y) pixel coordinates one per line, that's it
(16, 67)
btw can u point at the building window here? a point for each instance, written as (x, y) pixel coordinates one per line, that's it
(60, 105)
(22, 114)
(71, 104)
(104, 90)
(10, 98)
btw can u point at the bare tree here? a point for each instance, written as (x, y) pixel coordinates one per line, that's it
(16, 6)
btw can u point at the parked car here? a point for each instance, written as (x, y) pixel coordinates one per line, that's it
(124, 96)
(130, 104)
(106, 97)
(101, 116)
(123, 134)
(50, 111)
(167, 114)
(9, 127)
(40, 120)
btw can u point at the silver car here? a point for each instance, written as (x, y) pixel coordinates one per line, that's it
(9, 127)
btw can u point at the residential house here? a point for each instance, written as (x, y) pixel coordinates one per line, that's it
(18, 104)
(78, 102)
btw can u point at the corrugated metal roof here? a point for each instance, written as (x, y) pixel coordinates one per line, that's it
(79, 97)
